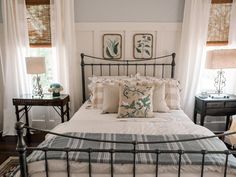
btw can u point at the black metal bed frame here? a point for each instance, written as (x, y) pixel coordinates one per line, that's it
(126, 64)
(23, 149)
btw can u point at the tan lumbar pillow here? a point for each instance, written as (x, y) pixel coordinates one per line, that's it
(110, 98)
(136, 101)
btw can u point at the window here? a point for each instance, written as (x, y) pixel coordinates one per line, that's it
(219, 20)
(38, 20)
(46, 52)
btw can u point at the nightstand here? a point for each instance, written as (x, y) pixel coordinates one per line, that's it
(27, 101)
(214, 107)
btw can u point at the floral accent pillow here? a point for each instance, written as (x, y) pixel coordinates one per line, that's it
(136, 101)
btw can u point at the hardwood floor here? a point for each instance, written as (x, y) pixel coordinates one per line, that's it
(8, 145)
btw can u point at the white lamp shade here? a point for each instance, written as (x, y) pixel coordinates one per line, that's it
(221, 59)
(35, 65)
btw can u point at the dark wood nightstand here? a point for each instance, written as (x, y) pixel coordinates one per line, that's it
(27, 101)
(214, 107)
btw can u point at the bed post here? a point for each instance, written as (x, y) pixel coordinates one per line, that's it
(83, 77)
(21, 148)
(173, 65)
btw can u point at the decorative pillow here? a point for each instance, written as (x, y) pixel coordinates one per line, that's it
(110, 98)
(172, 91)
(136, 101)
(100, 79)
(96, 95)
(172, 94)
(159, 102)
(97, 85)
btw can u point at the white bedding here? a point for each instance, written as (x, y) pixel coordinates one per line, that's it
(91, 120)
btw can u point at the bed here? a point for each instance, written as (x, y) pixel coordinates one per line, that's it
(95, 144)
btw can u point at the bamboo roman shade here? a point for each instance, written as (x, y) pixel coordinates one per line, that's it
(38, 19)
(219, 21)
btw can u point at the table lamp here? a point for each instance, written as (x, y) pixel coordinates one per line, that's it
(220, 59)
(36, 66)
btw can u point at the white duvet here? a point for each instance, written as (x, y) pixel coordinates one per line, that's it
(91, 120)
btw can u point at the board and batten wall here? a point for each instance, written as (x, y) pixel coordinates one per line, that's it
(166, 37)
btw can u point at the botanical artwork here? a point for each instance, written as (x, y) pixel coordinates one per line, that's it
(112, 46)
(143, 46)
(136, 101)
(218, 27)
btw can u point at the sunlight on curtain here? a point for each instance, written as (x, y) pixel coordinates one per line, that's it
(16, 44)
(43, 117)
(192, 50)
(66, 64)
(1, 89)
(46, 78)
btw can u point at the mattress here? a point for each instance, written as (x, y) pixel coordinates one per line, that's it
(92, 121)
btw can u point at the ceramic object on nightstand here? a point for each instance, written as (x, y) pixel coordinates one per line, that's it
(55, 88)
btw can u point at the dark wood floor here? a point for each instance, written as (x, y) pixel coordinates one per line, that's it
(8, 145)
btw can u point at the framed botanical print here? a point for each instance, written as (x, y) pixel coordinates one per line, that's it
(112, 46)
(143, 45)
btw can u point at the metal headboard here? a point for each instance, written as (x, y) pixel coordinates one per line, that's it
(101, 63)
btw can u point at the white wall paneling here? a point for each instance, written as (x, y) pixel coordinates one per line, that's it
(166, 37)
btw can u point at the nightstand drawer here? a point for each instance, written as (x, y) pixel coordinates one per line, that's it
(231, 104)
(215, 104)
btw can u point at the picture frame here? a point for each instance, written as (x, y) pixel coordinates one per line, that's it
(143, 45)
(112, 46)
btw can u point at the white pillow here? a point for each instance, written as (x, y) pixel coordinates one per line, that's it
(172, 93)
(159, 102)
(96, 87)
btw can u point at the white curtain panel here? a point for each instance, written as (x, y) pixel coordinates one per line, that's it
(1, 90)
(232, 29)
(192, 50)
(66, 63)
(16, 43)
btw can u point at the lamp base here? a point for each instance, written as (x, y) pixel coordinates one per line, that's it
(37, 88)
(220, 83)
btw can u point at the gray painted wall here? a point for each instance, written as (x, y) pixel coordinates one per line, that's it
(129, 10)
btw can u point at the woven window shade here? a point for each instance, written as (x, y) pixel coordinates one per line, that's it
(38, 19)
(219, 20)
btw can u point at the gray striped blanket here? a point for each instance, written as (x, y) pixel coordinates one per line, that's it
(141, 158)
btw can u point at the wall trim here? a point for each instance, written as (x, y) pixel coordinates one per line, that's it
(130, 25)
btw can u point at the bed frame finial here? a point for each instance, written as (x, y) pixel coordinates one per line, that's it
(21, 148)
(173, 65)
(83, 77)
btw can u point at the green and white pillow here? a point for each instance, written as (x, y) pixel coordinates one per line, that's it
(136, 100)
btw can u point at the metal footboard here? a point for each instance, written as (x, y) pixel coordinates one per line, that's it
(22, 149)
